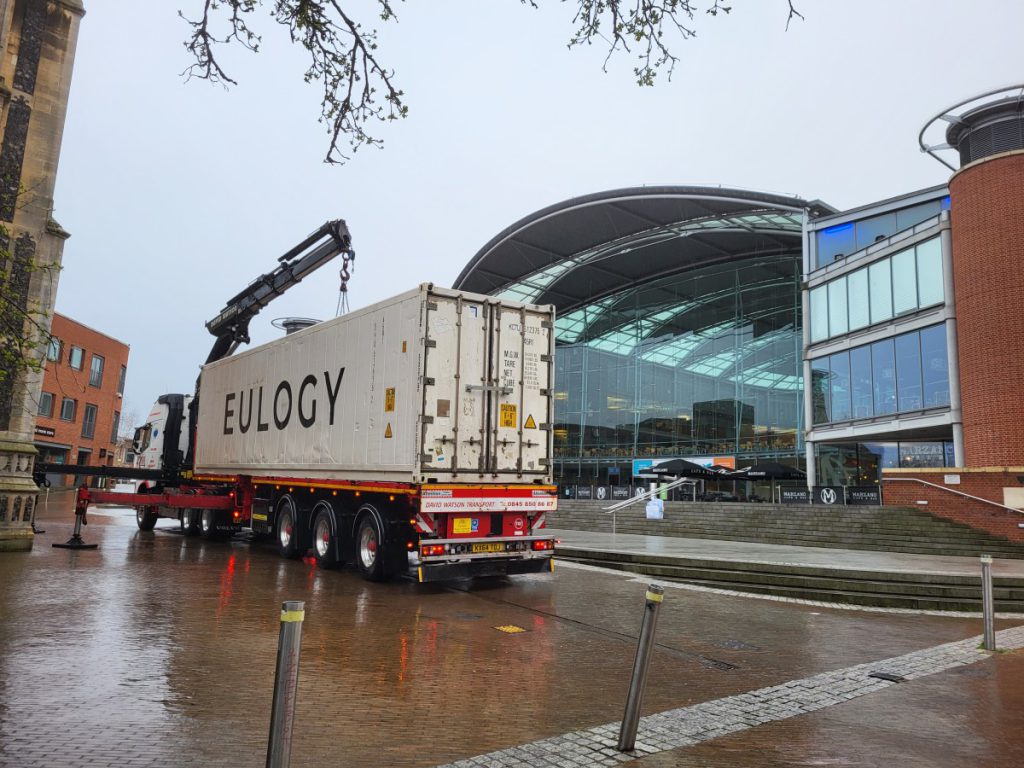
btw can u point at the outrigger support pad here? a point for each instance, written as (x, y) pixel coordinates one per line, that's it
(76, 541)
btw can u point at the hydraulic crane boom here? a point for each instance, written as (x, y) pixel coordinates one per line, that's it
(231, 325)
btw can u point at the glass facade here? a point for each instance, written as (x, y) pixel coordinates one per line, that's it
(909, 372)
(847, 238)
(893, 286)
(862, 463)
(707, 362)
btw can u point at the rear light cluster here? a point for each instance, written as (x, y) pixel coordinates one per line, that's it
(433, 550)
(540, 546)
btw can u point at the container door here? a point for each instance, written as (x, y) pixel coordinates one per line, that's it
(455, 398)
(520, 353)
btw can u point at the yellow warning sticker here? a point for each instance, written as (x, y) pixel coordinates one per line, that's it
(530, 423)
(508, 415)
(389, 400)
(511, 629)
(387, 431)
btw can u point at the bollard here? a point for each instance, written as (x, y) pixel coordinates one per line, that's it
(988, 604)
(631, 718)
(286, 681)
(76, 541)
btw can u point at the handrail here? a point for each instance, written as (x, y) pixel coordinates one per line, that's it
(958, 493)
(646, 495)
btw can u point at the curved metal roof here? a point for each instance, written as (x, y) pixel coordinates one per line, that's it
(586, 248)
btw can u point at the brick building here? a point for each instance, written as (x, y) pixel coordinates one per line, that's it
(80, 402)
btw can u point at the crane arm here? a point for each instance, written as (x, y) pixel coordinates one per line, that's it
(231, 325)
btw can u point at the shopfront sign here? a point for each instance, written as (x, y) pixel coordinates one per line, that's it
(829, 495)
(45, 432)
(870, 495)
(584, 492)
(795, 496)
(621, 492)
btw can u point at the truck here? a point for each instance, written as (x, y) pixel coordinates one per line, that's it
(413, 435)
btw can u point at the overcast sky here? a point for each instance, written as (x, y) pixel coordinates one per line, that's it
(178, 194)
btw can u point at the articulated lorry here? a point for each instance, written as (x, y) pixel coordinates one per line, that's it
(412, 433)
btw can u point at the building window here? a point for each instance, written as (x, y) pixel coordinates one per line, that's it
(89, 421)
(120, 380)
(76, 357)
(46, 404)
(116, 424)
(67, 409)
(860, 306)
(929, 273)
(53, 349)
(837, 323)
(96, 371)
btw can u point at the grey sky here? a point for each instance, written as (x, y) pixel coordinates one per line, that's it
(177, 194)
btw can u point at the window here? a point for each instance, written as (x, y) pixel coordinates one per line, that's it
(96, 371)
(840, 385)
(46, 404)
(820, 390)
(835, 242)
(904, 282)
(89, 421)
(883, 379)
(908, 372)
(934, 367)
(114, 426)
(53, 350)
(67, 409)
(819, 314)
(860, 382)
(930, 287)
(837, 323)
(76, 357)
(120, 380)
(880, 287)
(875, 228)
(857, 288)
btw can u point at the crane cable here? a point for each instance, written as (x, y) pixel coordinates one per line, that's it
(345, 274)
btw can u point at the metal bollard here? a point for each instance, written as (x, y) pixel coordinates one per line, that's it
(988, 604)
(286, 681)
(631, 718)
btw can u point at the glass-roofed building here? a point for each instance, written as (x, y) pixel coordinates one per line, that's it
(679, 324)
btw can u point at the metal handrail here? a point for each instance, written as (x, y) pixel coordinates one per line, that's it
(647, 495)
(958, 493)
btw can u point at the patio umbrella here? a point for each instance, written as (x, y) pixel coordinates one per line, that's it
(771, 471)
(684, 468)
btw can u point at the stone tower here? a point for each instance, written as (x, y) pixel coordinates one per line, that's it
(37, 40)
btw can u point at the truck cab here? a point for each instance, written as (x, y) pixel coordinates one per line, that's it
(162, 442)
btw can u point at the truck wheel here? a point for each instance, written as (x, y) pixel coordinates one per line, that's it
(190, 522)
(325, 540)
(146, 518)
(286, 524)
(370, 554)
(208, 524)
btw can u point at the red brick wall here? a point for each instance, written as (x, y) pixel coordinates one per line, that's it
(62, 381)
(987, 202)
(984, 484)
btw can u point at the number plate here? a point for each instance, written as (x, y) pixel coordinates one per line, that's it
(495, 547)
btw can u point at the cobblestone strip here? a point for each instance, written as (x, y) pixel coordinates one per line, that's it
(712, 719)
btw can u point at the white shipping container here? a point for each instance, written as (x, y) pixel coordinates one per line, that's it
(432, 385)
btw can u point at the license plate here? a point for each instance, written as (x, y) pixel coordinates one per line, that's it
(495, 547)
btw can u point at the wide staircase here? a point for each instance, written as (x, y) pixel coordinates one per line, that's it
(887, 529)
(883, 529)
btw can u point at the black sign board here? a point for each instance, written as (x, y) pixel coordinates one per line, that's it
(864, 495)
(584, 492)
(621, 492)
(795, 496)
(568, 492)
(828, 494)
(45, 431)
(602, 492)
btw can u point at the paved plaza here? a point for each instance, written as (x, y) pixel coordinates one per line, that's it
(158, 650)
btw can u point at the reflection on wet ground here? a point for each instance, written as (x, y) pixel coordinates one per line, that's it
(161, 648)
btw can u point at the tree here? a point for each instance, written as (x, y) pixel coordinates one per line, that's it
(358, 89)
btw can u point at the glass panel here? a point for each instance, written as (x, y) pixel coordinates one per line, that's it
(820, 390)
(857, 292)
(46, 404)
(883, 377)
(904, 282)
(934, 366)
(876, 228)
(880, 283)
(840, 386)
(67, 409)
(908, 372)
(75, 358)
(837, 464)
(908, 217)
(837, 307)
(835, 242)
(860, 382)
(53, 350)
(89, 421)
(922, 455)
(874, 457)
(120, 380)
(96, 371)
(929, 273)
(819, 313)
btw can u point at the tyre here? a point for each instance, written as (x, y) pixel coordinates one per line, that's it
(370, 551)
(208, 522)
(325, 537)
(286, 526)
(145, 518)
(190, 521)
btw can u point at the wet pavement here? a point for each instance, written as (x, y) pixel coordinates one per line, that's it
(158, 649)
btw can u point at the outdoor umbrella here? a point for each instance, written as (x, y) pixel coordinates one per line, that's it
(769, 470)
(684, 468)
